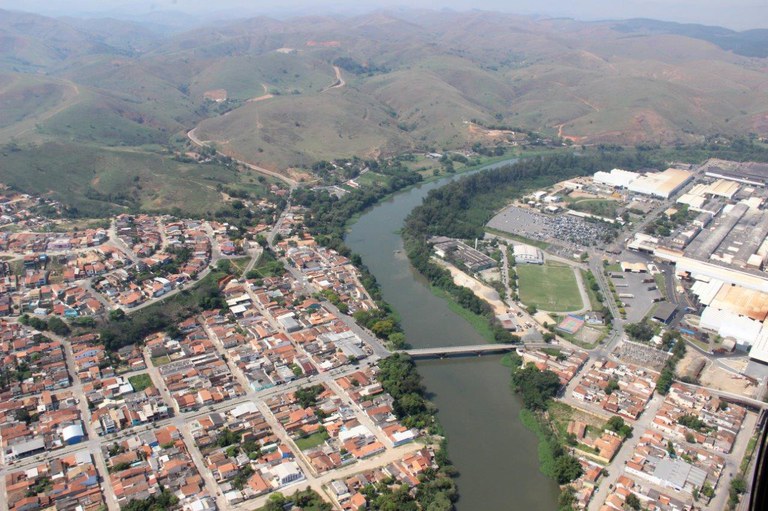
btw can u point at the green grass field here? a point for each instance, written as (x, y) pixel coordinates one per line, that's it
(599, 207)
(311, 441)
(549, 287)
(372, 179)
(141, 382)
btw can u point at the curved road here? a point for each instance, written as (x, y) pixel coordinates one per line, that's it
(292, 183)
(339, 83)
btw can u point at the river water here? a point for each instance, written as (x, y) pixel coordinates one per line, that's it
(495, 454)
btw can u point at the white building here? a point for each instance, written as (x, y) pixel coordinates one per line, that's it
(616, 178)
(287, 473)
(528, 254)
(661, 184)
(728, 324)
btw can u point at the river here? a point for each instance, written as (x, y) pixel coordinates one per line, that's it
(496, 456)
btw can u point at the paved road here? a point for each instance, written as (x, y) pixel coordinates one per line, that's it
(317, 483)
(197, 458)
(114, 239)
(616, 468)
(3, 501)
(733, 464)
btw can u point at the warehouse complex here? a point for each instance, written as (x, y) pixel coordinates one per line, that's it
(719, 248)
(655, 184)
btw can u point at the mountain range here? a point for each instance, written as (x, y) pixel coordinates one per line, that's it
(306, 89)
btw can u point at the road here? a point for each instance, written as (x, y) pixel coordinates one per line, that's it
(92, 444)
(616, 468)
(120, 244)
(197, 458)
(339, 83)
(733, 464)
(317, 482)
(3, 501)
(292, 183)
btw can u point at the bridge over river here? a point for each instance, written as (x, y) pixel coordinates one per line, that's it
(471, 350)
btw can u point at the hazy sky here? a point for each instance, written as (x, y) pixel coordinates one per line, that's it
(738, 14)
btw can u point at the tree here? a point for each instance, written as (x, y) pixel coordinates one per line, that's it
(633, 502)
(22, 415)
(567, 469)
(617, 425)
(276, 502)
(307, 396)
(58, 327)
(228, 437)
(383, 328)
(567, 499)
(536, 387)
(691, 421)
(397, 340)
(642, 331)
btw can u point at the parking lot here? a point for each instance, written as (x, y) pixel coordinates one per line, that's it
(643, 293)
(557, 228)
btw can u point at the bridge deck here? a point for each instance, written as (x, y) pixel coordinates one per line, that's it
(475, 349)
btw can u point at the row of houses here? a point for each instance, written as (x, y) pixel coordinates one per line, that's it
(618, 388)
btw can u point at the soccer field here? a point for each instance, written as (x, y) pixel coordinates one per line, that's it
(550, 287)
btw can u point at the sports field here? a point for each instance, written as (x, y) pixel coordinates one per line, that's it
(549, 287)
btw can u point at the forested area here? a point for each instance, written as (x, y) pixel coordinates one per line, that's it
(437, 491)
(327, 215)
(537, 388)
(122, 329)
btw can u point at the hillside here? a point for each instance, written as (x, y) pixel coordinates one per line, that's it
(267, 91)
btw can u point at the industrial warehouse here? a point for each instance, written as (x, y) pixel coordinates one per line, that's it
(719, 246)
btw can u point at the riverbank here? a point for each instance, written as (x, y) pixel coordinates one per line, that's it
(495, 455)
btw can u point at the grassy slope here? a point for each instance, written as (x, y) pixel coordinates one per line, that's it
(243, 76)
(298, 130)
(24, 96)
(149, 179)
(577, 79)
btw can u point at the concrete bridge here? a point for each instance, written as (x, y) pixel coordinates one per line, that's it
(461, 351)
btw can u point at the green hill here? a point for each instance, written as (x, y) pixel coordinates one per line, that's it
(409, 81)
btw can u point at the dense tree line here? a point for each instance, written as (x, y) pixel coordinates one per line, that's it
(123, 330)
(328, 215)
(326, 219)
(353, 66)
(54, 324)
(398, 376)
(537, 388)
(446, 210)
(306, 500)
(668, 371)
(437, 491)
(641, 332)
(159, 502)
